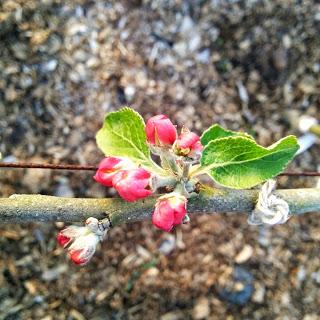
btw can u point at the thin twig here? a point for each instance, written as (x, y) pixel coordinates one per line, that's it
(27, 165)
(37, 208)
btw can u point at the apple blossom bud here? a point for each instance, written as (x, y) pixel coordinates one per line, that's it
(63, 240)
(83, 240)
(188, 144)
(133, 184)
(76, 257)
(108, 167)
(83, 248)
(69, 234)
(160, 131)
(169, 211)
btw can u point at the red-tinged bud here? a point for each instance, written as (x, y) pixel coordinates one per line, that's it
(169, 211)
(63, 240)
(83, 248)
(108, 167)
(133, 184)
(69, 234)
(76, 257)
(188, 144)
(82, 241)
(72, 232)
(160, 131)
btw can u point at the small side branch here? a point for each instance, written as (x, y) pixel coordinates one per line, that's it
(87, 167)
(37, 208)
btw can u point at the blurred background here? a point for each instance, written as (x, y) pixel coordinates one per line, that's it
(243, 64)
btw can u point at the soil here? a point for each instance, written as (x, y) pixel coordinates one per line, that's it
(250, 65)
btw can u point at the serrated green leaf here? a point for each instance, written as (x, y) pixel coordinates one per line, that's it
(240, 163)
(217, 132)
(123, 135)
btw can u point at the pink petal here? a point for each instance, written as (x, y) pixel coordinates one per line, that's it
(109, 163)
(159, 129)
(187, 140)
(63, 240)
(163, 216)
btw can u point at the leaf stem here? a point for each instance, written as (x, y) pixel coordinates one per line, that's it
(197, 170)
(169, 161)
(156, 168)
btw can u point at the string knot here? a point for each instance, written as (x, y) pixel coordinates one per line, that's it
(269, 209)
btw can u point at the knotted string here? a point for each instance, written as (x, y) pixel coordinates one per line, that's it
(269, 209)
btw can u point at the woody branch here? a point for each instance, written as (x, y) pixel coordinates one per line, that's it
(40, 208)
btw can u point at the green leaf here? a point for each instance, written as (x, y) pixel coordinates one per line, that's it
(217, 132)
(240, 163)
(123, 135)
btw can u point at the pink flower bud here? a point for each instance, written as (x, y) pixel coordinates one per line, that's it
(188, 144)
(169, 211)
(76, 257)
(83, 248)
(63, 240)
(160, 131)
(133, 184)
(108, 167)
(69, 234)
(82, 240)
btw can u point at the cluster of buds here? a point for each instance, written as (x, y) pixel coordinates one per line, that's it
(179, 151)
(132, 182)
(162, 133)
(81, 242)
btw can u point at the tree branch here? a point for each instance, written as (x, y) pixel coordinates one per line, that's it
(40, 208)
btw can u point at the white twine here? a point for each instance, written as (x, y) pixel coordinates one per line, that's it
(306, 141)
(306, 122)
(269, 209)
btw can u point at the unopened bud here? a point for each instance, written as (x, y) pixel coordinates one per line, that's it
(188, 144)
(133, 184)
(160, 131)
(169, 211)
